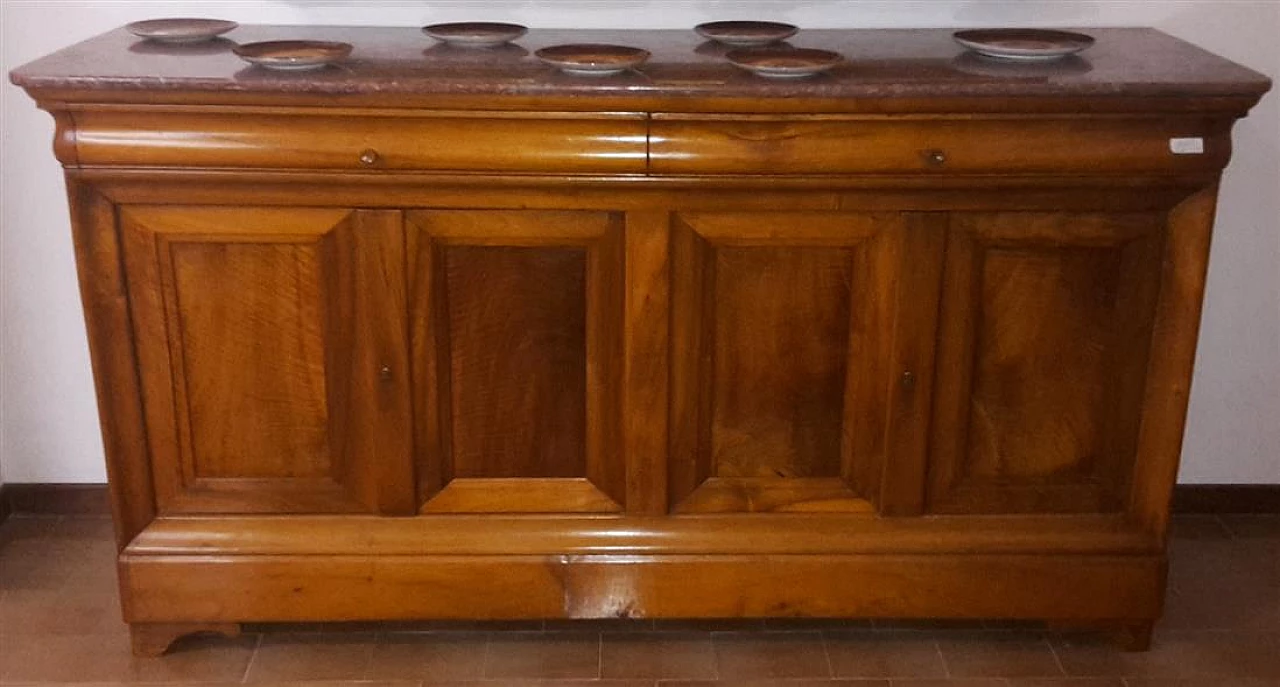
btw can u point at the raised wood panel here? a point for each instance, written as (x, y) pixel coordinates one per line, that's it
(783, 342)
(781, 332)
(297, 314)
(233, 303)
(1045, 330)
(517, 342)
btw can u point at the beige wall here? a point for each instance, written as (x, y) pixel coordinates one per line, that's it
(48, 430)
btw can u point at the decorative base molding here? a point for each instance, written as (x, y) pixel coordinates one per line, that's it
(92, 499)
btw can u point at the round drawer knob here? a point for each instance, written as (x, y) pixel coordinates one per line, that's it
(935, 158)
(369, 157)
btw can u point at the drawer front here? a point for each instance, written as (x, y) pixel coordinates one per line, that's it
(815, 145)
(525, 143)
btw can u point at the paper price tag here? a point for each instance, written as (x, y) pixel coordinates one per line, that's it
(1186, 146)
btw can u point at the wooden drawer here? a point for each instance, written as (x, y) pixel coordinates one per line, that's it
(815, 145)
(446, 141)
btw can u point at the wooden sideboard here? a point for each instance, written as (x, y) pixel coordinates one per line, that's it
(446, 334)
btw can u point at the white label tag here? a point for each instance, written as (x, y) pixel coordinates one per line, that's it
(1186, 146)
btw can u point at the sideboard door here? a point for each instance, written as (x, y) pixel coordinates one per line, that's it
(517, 352)
(801, 354)
(273, 357)
(1045, 327)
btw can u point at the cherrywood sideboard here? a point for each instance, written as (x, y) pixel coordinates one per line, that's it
(444, 333)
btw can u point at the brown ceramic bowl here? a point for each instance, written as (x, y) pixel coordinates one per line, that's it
(293, 55)
(746, 33)
(592, 59)
(784, 63)
(475, 34)
(180, 29)
(1035, 45)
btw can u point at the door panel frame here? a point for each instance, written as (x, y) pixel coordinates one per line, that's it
(603, 488)
(361, 273)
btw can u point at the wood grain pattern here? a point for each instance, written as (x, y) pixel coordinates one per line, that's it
(213, 287)
(900, 482)
(781, 332)
(646, 360)
(396, 587)
(705, 535)
(831, 144)
(659, 345)
(103, 295)
(519, 345)
(781, 342)
(1043, 345)
(560, 142)
(1184, 262)
(232, 303)
(517, 335)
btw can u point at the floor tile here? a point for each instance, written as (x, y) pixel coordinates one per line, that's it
(930, 624)
(597, 625)
(1176, 654)
(818, 624)
(520, 682)
(431, 655)
(543, 655)
(65, 658)
(108, 658)
(1253, 526)
(316, 656)
(963, 682)
(60, 611)
(665, 655)
(742, 655)
(365, 627)
(884, 654)
(333, 683)
(1198, 527)
(780, 682)
(998, 654)
(198, 659)
(1199, 682)
(708, 624)
(1067, 682)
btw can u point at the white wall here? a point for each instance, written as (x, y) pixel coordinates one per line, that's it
(48, 430)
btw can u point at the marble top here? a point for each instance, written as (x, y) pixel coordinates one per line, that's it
(880, 63)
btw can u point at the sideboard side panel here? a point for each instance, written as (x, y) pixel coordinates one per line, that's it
(103, 292)
(1184, 265)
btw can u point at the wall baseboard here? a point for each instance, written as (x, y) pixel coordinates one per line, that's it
(1227, 498)
(54, 499)
(92, 499)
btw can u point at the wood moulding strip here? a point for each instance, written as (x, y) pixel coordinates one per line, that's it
(176, 588)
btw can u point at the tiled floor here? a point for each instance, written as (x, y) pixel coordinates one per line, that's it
(59, 623)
